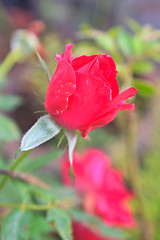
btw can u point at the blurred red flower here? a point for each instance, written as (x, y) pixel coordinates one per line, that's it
(101, 186)
(81, 232)
(84, 93)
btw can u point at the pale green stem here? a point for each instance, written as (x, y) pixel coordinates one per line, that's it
(134, 174)
(13, 166)
(12, 57)
(1, 143)
(28, 206)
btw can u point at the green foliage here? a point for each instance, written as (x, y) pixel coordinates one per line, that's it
(8, 129)
(23, 225)
(105, 230)
(2, 163)
(135, 52)
(124, 41)
(150, 178)
(62, 222)
(43, 130)
(142, 67)
(44, 66)
(15, 225)
(39, 227)
(10, 102)
(138, 45)
(33, 164)
(106, 41)
(12, 58)
(145, 89)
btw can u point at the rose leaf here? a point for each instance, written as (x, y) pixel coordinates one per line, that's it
(43, 130)
(44, 66)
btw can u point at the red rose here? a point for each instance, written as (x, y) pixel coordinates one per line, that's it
(82, 232)
(86, 178)
(101, 186)
(84, 93)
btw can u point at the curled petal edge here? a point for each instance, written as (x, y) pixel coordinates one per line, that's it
(67, 54)
(116, 105)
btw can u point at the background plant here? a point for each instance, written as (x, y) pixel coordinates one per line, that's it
(29, 204)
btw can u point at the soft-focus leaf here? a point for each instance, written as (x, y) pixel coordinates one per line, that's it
(124, 41)
(64, 193)
(10, 193)
(142, 67)
(43, 130)
(138, 45)
(62, 222)
(114, 31)
(52, 194)
(33, 164)
(41, 195)
(39, 227)
(106, 42)
(44, 66)
(105, 230)
(8, 129)
(2, 163)
(15, 225)
(145, 89)
(10, 102)
(134, 26)
(23, 190)
(85, 47)
(72, 140)
(152, 49)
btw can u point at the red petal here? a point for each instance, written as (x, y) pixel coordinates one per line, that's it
(106, 64)
(67, 54)
(96, 70)
(82, 232)
(106, 68)
(113, 209)
(61, 86)
(82, 63)
(87, 101)
(119, 100)
(99, 64)
(100, 122)
(127, 106)
(111, 110)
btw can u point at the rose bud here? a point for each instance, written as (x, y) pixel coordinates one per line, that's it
(84, 93)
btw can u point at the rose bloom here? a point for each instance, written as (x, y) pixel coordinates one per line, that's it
(82, 232)
(84, 93)
(101, 187)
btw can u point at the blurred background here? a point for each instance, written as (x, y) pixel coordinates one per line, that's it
(56, 23)
(129, 31)
(65, 17)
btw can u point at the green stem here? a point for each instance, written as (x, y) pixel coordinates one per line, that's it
(28, 206)
(13, 166)
(1, 143)
(13, 57)
(134, 174)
